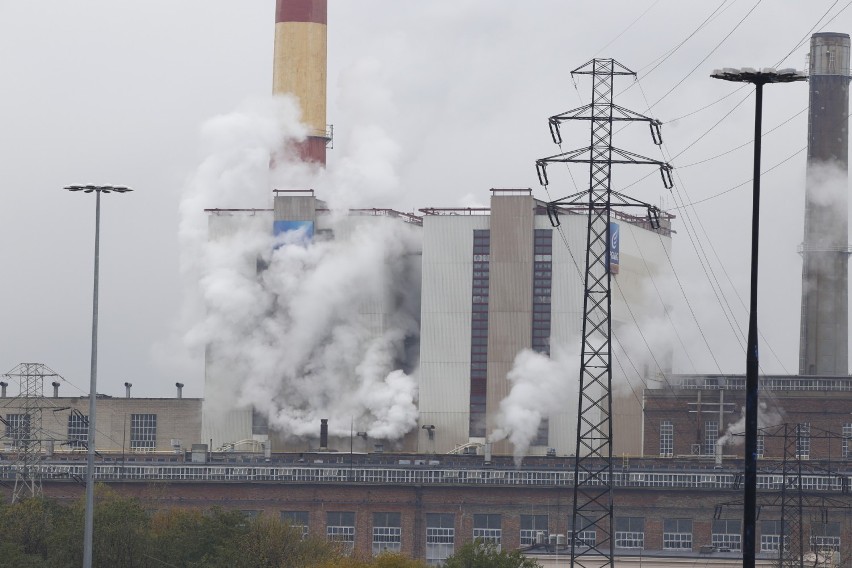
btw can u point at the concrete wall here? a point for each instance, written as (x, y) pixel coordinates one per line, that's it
(510, 297)
(178, 419)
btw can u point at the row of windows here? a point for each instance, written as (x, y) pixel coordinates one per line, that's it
(143, 430)
(408, 475)
(629, 532)
(479, 333)
(541, 324)
(802, 434)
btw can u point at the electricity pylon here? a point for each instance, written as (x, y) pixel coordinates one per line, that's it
(23, 428)
(592, 518)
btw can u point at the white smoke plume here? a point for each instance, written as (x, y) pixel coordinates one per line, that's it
(828, 185)
(766, 417)
(298, 330)
(541, 387)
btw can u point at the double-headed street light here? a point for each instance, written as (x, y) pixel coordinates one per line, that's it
(90, 438)
(758, 78)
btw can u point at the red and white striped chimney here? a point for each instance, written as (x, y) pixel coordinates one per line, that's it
(299, 68)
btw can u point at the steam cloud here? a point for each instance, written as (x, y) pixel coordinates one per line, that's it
(299, 330)
(765, 417)
(541, 388)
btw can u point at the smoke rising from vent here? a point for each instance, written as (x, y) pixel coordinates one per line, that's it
(766, 417)
(299, 330)
(542, 387)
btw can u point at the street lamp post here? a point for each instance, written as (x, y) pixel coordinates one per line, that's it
(758, 78)
(93, 379)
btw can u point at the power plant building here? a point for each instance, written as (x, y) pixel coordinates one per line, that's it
(502, 280)
(480, 288)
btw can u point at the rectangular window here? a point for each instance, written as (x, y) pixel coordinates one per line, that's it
(440, 537)
(677, 534)
(340, 527)
(143, 432)
(761, 446)
(78, 429)
(770, 536)
(727, 534)
(586, 533)
(847, 435)
(479, 330)
(387, 533)
(711, 436)
(803, 441)
(666, 439)
(825, 537)
(299, 520)
(630, 532)
(542, 278)
(18, 428)
(488, 528)
(533, 529)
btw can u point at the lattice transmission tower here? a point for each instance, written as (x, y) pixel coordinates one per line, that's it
(592, 516)
(789, 503)
(23, 428)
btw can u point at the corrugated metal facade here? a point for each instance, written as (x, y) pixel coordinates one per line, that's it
(445, 316)
(447, 268)
(445, 371)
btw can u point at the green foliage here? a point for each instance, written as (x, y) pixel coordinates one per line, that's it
(484, 554)
(269, 543)
(42, 533)
(384, 560)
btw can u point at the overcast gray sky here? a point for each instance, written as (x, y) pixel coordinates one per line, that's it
(114, 92)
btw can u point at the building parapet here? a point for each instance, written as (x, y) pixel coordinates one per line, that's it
(770, 383)
(336, 473)
(378, 212)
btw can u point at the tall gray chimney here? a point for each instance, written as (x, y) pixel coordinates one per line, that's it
(127, 389)
(179, 390)
(3, 385)
(824, 330)
(55, 389)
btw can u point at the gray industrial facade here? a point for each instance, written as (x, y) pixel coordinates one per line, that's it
(494, 282)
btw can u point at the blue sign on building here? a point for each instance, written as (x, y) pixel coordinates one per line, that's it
(614, 237)
(306, 228)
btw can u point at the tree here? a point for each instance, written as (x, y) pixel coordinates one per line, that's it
(384, 560)
(269, 543)
(484, 554)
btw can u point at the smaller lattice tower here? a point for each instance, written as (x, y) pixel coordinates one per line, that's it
(23, 426)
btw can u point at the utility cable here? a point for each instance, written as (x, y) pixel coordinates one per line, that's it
(807, 35)
(661, 59)
(705, 258)
(739, 185)
(743, 145)
(625, 30)
(706, 57)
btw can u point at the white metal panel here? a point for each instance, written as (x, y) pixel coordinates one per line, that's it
(446, 339)
(225, 426)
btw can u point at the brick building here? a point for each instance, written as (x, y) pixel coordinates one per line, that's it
(691, 415)
(664, 509)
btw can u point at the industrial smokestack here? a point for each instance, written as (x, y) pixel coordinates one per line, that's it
(55, 389)
(179, 390)
(323, 433)
(299, 68)
(127, 389)
(823, 343)
(3, 385)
